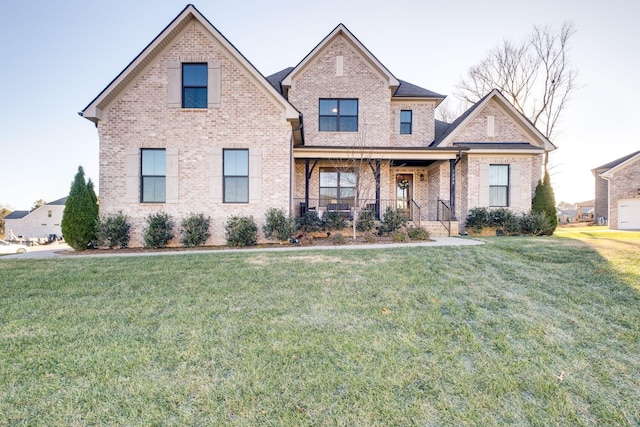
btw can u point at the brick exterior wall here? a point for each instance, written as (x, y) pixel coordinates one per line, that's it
(624, 184)
(249, 117)
(505, 128)
(601, 201)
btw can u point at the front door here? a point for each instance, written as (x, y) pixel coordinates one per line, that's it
(404, 189)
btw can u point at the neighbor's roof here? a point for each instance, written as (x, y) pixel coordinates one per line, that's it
(615, 163)
(58, 202)
(17, 215)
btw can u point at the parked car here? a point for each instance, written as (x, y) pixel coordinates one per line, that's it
(12, 248)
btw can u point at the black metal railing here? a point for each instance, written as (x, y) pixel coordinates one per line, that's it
(408, 207)
(444, 214)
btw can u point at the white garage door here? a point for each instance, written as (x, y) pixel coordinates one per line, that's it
(629, 214)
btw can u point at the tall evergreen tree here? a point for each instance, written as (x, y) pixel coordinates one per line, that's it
(80, 214)
(544, 200)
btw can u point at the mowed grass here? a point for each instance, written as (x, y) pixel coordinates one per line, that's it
(519, 331)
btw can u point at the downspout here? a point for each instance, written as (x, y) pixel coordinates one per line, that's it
(452, 184)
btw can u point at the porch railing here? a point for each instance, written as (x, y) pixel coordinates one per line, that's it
(409, 207)
(444, 214)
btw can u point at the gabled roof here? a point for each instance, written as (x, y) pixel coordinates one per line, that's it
(474, 110)
(58, 202)
(342, 30)
(17, 215)
(614, 163)
(93, 111)
(619, 164)
(408, 90)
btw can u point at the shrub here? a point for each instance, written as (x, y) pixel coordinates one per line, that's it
(241, 231)
(334, 221)
(158, 231)
(535, 223)
(80, 215)
(366, 221)
(278, 225)
(505, 220)
(478, 218)
(309, 222)
(544, 201)
(399, 236)
(113, 231)
(370, 238)
(393, 220)
(418, 233)
(195, 230)
(338, 239)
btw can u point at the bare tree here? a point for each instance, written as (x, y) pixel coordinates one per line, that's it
(449, 110)
(361, 172)
(535, 75)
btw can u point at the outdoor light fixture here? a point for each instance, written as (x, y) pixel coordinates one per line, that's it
(421, 177)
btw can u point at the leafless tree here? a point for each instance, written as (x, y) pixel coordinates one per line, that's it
(449, 110)
(535, 75)
(361, 172)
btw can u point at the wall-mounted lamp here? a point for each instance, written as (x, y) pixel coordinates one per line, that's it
(421, 177)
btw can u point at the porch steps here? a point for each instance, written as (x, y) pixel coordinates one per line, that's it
(436, 229)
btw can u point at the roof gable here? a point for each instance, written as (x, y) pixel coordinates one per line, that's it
(447, 137)
(93, 111)
(621, 164)
(614, 163)
(341, 30)
(16, 215)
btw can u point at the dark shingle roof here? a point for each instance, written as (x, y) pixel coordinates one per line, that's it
(457, 122)
(407, 89)
(59, 202)
(615, 163)
(276, 79)
(17, 215)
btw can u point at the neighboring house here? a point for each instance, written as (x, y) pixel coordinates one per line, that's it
(39, 224)
(191, 126)
(567, 216)
(584, 211)
(618, 192)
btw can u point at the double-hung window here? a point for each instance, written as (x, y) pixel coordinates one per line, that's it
(406, 117)
(338, 115)
(337, 186)
(236, 176)
(499, 185)
(153, 188)
(194, 85)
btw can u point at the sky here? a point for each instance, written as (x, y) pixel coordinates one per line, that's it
(57, 56)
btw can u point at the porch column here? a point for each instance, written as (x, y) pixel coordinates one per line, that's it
(452, 188)
(307, 176)
(376, 173)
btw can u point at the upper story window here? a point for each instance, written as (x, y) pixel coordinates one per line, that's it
(406, 118)
(338, 115)
(235, 169)
(153, 188)
(499, 185)
(194, 85)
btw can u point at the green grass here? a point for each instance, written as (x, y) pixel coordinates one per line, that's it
(520, 331)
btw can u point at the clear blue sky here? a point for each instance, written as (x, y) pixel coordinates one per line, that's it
(56, 56)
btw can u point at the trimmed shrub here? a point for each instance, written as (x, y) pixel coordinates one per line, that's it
(418, 233)
(113, 231)
(338, 239)
(158, 231)
(309, 222)
(544, 201)
(194, 230)
(478, 218)
(393, 220)
(241, 231)
(535, 223)
(505, 220)
(366, 221)
(334, 221)
(278, 225)
(399, 236)
(80, 216)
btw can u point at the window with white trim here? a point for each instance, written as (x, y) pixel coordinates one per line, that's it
(498, 185)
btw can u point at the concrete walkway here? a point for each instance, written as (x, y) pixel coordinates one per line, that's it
(57, 251)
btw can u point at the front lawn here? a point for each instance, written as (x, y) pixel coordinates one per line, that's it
(520, 331)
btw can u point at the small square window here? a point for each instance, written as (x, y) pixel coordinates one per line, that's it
(338, 115)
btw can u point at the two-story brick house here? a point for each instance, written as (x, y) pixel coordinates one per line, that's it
(191, 126)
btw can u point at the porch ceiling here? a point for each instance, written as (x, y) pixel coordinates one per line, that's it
(383, 153)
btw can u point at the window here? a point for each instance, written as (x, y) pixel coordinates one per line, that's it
(337, 186)
(236, 176)
(49, 214)
(499, 185)
(405, 122)
(339, 115)
(194, 85)
(154, 167)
